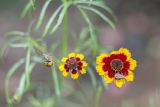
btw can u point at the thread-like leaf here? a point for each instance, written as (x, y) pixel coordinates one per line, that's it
(42, 14)
(105, 18)
(3, 50)
(19, 45)
(11, 71)
(32, 3)
(28, 7)
(99, 4)
(60, 18)
(27, 64)
(49, 23)
(15, 33)
(22, 85)
(36, 45)
(91, 29)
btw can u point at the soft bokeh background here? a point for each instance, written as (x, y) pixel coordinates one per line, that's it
(138, 29)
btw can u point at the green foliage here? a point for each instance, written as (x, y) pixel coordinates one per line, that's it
(87, 43)
(8, 76)
(41, 17)
(44, 103)
(30, 6)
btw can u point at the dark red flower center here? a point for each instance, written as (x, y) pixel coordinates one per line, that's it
(116, 65)
(73, 64)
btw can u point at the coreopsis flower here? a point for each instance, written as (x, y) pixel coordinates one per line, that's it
(73, 64)
(117, 67)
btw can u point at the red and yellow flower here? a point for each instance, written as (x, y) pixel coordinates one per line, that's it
(117, 67)
(73, 64)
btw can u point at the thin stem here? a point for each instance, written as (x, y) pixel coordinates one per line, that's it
(65, 35)
(92, 77)
(65, 30)
(98, 96)
(27, 64)
(56, 82)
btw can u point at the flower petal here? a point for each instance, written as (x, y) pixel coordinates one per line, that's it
(119, 83)
(64, 59)
(99, 59)
(99, 69)
(75, 76)
(84, 63)
(133, 64)
(108, 79)
(71, 55)
(83, 71)
(61, 67)
(126, 52)
(113, 52)
(65, 73)
(130, 76)
(80, 56)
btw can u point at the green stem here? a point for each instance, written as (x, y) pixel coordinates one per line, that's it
(65, 35)
(92, 77)
(56, 82)
(98, 96)
(27, 64)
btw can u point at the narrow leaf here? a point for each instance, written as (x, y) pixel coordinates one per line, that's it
(16, 33)
(22, 85)
(42, 14)
(11, 71)
(98, 4)
(32, 3)
(19, 45)
(3, 50)
(27, 71)
(105, 18)
(26, 10)
(91, 29)
(52, 18)
(60, 18)
(36, 45)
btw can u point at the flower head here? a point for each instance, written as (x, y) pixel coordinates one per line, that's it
(116, 67)
(73, 64)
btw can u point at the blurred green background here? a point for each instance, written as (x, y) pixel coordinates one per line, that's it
(138, 28)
